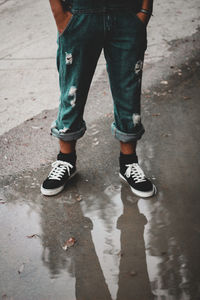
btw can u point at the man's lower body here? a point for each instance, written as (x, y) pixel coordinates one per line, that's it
(122, 36)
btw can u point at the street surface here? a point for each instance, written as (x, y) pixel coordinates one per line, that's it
(126, 248)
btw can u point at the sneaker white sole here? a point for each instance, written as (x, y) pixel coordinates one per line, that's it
(139, 193)
(53, 192)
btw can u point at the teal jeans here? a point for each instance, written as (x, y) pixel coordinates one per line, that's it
(115, 29)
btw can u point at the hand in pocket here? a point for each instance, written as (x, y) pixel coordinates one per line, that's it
(61, 17)
(63, 21)
(143, 18)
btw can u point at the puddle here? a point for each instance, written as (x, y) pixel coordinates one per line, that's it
(125, 247)
(27, 264)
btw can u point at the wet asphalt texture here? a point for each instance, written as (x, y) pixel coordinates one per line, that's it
(126, 248)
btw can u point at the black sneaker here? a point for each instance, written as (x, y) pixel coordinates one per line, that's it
(135, 177)
(61, 172)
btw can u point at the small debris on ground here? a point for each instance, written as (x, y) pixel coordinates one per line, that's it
(166, 134)
(21, 268)
(186, 98)
(78, 198)
(156, 115)
(35, 235)
(69, 243)
(120, 253)
(133, 273)
(5, 297)
(164, 82)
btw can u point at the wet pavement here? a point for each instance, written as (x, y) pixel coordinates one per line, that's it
(126, 248)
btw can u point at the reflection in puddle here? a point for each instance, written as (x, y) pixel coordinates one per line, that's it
(167, 266)
(105, 235)
(125, 249)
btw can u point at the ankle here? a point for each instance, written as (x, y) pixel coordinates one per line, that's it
(128, 148)
(67, 147)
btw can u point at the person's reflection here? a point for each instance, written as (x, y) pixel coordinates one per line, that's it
(133, 276)
(60, 221)
(166, 262)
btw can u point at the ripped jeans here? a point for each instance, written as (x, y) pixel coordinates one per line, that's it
(122, 36)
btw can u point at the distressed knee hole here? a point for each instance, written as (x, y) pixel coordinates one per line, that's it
(64, 130)
(138, 67)
(72, 93)
(68, 58)
(136, 119)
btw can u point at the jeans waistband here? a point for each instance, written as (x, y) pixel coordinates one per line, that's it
(100, 10)
(101, 6)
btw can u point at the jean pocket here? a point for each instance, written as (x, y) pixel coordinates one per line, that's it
(68, 26)
(140, 21)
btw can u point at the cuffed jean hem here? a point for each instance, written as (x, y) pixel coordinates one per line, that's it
(70, 136)
(127, 137)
